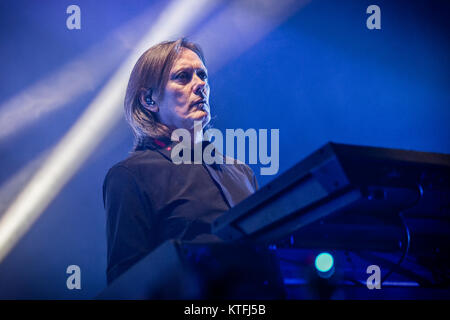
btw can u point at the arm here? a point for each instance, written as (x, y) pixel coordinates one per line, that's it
(128, 221)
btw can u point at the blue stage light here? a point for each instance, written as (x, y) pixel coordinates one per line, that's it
(324, 262)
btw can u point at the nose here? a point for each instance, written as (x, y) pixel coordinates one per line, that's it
(200, 86)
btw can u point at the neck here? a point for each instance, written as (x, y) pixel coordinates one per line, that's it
(195, 134)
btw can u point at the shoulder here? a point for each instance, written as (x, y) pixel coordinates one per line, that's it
(133, 174)
(136, 163)
(140, 158)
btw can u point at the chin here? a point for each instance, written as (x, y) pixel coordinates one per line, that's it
(189, 125)
(206, 119)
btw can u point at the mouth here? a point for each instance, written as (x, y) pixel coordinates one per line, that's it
(203, 101)
(200, 105)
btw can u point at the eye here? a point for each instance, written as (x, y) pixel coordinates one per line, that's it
(202, 75)
(182, 76)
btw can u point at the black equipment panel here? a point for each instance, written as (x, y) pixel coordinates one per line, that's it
(350, 186)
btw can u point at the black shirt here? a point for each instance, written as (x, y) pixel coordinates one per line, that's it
(149, 199)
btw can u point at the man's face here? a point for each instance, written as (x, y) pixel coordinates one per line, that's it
(186, 96)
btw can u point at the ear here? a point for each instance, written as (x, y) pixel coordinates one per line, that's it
(145, 98)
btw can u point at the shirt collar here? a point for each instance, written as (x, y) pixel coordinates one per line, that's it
(166, 149)
(164, 146)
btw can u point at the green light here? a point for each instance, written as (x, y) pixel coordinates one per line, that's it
(324, 262)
